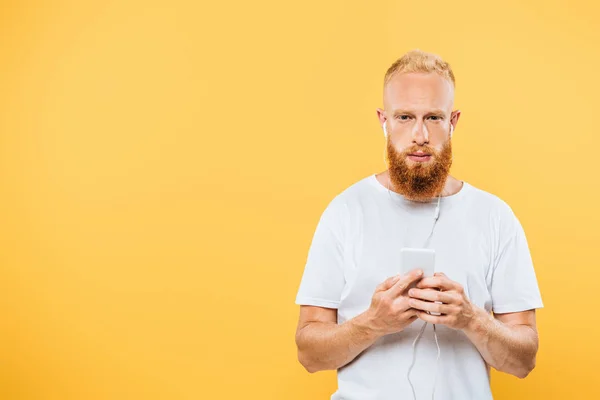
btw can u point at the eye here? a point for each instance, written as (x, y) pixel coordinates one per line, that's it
(435, 117)
(402, 117)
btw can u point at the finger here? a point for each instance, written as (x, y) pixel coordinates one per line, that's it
(404, 282)
(409, 313)
(432, 295)
(436, 282)
(412, 318)
(433, 319)
(388, 283)
(429, 306)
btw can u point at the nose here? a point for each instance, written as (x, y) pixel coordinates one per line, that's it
(420, 135)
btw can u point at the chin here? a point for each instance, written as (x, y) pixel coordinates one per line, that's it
(420, 167)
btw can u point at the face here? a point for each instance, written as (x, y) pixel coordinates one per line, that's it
(418, 114)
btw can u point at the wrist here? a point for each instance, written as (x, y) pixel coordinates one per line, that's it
(478, 325)
(364, 324)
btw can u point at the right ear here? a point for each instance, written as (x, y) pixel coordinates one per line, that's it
(381, 115)
(382, 120)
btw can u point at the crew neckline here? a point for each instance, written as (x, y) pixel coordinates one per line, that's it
(453, 198)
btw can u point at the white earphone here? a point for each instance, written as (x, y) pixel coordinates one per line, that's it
(385, 130)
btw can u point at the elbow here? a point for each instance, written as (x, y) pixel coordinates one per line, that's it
(307, 363)
(519, 369)
(528, 365)
(310, 358)
(306, 357)
(522, 374)
(527, 362)
(303, 356)
(525, 369)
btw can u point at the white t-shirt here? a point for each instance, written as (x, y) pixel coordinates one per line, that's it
(479, 243)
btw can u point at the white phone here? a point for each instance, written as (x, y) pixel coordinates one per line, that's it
(413, 258)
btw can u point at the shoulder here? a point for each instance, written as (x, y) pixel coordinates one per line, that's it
(347, 203)
(497, 210)
(353, 194)
(489, 201)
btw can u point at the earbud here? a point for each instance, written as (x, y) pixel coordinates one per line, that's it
(451, 130)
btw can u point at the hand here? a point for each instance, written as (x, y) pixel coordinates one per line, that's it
(456, 309)
(389, 311)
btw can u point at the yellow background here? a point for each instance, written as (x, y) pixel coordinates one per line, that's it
(163, 166)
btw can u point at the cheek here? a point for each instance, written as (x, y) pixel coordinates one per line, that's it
(437, 146)
(397, 150)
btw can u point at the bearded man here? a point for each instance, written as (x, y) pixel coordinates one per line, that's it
(361, 317)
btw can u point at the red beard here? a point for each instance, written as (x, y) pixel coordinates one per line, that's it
(419, 181)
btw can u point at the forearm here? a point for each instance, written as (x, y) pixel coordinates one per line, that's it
(507, 348)
(327, 345)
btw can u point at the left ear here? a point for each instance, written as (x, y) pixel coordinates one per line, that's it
(454, 116)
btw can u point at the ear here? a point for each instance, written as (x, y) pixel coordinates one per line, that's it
(381, 115)
(454, 118)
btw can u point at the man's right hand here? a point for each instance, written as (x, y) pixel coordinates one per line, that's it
(324, 344)
(389, 311)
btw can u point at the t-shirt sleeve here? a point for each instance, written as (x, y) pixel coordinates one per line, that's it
(323, 278)
(514, 285)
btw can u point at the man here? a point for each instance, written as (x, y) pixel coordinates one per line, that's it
(361, 318)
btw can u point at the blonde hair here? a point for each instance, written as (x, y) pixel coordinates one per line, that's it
(420, 61)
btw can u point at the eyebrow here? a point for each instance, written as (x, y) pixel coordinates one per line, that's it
(436, 111)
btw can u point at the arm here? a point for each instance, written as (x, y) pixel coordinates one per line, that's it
(323, 344)
(508, 342)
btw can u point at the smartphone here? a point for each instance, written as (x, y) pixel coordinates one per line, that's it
(412, 258)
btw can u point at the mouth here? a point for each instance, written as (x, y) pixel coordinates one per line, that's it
(419, 157)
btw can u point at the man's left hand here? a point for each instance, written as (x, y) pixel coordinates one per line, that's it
(456, 309)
